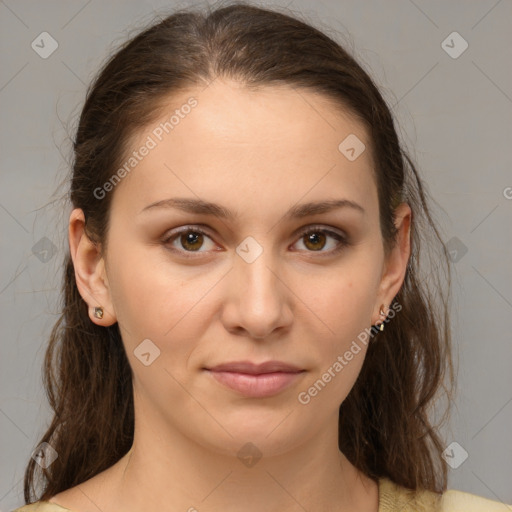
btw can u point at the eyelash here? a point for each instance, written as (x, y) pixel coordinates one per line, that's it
(343, 242)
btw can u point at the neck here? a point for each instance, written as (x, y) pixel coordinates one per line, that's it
(177, 473)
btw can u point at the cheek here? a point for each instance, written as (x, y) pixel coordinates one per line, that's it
(340, 311)
(142, 286)
(342, 299)
(162, 303)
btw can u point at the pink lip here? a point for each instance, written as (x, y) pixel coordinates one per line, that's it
(256, 380)
(256, 386)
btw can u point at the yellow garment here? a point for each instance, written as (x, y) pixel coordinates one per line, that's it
(392, 498)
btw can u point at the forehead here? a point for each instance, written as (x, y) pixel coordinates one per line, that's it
(248, 149)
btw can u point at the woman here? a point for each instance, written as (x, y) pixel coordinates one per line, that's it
(245, 224)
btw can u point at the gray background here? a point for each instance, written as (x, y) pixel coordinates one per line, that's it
(455, 116)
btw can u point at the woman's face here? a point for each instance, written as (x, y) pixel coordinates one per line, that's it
(251, 285)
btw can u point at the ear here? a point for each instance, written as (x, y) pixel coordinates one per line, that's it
(90, 275)
(395, 265)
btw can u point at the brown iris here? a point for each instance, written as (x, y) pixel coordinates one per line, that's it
(190, 240)
(314, 238)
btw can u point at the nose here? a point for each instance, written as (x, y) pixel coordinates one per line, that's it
(258, 300)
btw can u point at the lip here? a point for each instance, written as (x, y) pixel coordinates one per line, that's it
(251, 368)
(256, 380)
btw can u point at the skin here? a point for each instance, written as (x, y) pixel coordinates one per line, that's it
(257, 153)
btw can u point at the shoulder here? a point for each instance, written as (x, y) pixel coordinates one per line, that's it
(455, 501)
(41, 506)
(393, 497)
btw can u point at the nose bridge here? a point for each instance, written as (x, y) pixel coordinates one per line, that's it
(259, 306)
(254, 270)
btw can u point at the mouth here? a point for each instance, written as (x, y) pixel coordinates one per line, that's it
(256, 381)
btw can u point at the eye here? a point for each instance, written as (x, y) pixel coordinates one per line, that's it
(190, 239)
(315, 237)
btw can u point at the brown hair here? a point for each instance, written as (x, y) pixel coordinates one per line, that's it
(384, 426)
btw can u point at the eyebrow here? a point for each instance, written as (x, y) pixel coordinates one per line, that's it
(202, 207)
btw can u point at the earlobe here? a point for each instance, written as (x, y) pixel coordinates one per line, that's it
(90, 275)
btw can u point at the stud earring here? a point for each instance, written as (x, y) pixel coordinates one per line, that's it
(98, 312)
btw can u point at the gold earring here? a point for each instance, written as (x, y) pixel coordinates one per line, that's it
(382, 313)
(98, 312)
